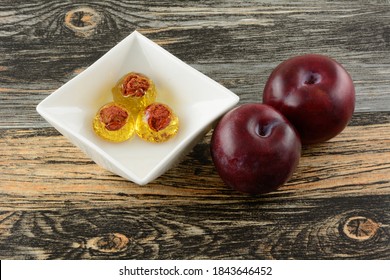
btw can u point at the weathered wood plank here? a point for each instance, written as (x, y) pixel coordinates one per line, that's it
(238, 45)
(326, 228)
(40, 169)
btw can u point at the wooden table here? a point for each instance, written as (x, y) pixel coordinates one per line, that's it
(55, 203)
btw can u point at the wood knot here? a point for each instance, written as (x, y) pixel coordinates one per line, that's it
(109, 243)
(360, 228)
(83, 21)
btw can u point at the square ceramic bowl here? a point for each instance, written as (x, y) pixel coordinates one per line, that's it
(197, 100)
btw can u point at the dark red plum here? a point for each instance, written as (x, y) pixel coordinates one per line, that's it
(315, 93)
(255, 149)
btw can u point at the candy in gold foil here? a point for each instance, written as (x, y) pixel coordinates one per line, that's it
(113, 122)
(156, 123)
(135, 91)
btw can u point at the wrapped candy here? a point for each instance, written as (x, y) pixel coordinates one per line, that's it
(113, 122)
(135, 91)
(156, 123)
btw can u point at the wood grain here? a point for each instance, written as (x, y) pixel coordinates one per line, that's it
(292, 229)
(237, 45)
(355, 163)
(55, 203)
(51, 211)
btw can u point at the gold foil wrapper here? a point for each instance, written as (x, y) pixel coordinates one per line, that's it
(135, 93)
(110, 128)
(154, 127)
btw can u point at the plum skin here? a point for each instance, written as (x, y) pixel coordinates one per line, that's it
(255, 149)
(315, 93)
